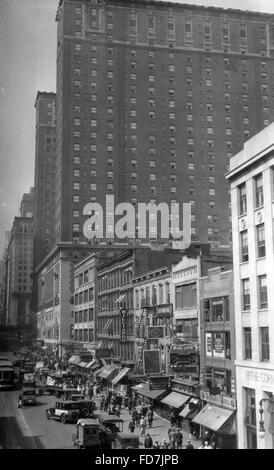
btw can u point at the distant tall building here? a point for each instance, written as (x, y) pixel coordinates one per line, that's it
(45, 161)
(153, 99)
(19, 266)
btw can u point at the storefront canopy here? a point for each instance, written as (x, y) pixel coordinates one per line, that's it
(98, 371)
(74, 360)
(121, 374)
(90, 364)
(213, 417)
(175, 400)
(108, 371)
(143, 389)
(187, 411)
(83, 364)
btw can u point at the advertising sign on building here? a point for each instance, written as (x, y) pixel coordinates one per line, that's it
(124, 324)
(208, 344)
(218, 345)
(159, 382)
(152, 361)
(101, 353)
(155, 332)
(164, 310)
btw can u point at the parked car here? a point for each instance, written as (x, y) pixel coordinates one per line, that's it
(126, 440)
(90, 434)
(68, 411)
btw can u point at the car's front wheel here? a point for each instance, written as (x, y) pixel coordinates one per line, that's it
(63, 418)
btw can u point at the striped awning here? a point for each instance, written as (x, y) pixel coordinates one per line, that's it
(121, 374)
(175, 400)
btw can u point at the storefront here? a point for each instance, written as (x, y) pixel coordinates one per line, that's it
(150, 397)
(218, 420)
(106, 374)
(191, 389)
(173, 402)
(121, 382)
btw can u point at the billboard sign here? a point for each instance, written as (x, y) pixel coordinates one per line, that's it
(154, 332)
(164, 310)
(159, 382)
(124, 324)
(152, 361)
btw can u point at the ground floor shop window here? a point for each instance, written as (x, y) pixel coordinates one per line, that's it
(250, 418)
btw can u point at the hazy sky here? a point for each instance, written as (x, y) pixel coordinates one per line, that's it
(28, 64)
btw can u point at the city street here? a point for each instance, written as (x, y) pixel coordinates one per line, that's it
(28, 428)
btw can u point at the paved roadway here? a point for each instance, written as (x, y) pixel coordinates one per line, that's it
(28, 427)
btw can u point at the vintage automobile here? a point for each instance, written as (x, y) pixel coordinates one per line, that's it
(126, 440)
(90, 434)
(68, 411)
(65, 394)
(76, 397)
(111, 422)
(28, 396)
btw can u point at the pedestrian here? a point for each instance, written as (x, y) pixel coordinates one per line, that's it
(135, 417)
(189, 445)
(172, 440)
(156, 445)
(179, 439)
(206, 445)
(213, 441)
(131, 425)
(172, 419)
(20, 401)
(143, 426)
(164, 444)
(150, 418)
(148, 442)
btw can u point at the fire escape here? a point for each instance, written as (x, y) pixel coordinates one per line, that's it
(141, 332)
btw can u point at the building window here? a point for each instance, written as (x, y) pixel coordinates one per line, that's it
(242, 199)
(260, 241)
(264, 343)
(259, 195)
(262, 287)
(244, 246)
(250, 418)
(246, 294)
(247, 343)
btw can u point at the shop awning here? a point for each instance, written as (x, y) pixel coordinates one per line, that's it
(108, 371)
(121, 374)
(187, 410)
(143, 389)
(90, 364)
(213, 417)
(175, 400)
(98, 371)
(74, 360)
(82, 364)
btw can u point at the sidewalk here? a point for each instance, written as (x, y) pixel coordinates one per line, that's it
(158, 432)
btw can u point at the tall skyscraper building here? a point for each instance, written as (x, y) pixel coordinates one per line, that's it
(45, 161)
(153, 99)
(19, 266)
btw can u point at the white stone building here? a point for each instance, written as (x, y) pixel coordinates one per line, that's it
(252, 200)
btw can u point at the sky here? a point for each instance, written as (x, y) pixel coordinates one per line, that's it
(28, 64)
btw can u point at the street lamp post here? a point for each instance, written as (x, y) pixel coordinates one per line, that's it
(261, 430)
